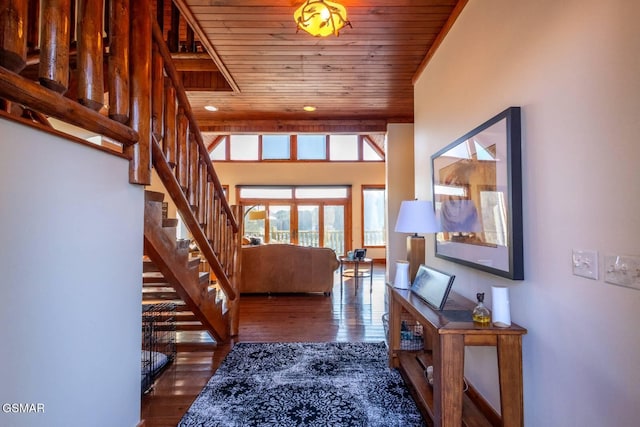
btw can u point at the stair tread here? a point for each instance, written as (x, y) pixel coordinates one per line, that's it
(195, 341)
(170, 222)
(178, 302)
(153, 277)
(157, 277)
(189, 326)
(153, 196)
(160, 296)
(150, 289)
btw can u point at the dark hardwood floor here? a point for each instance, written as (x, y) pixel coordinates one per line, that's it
(349, 314)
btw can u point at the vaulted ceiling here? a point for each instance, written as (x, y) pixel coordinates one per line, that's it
(266, 72)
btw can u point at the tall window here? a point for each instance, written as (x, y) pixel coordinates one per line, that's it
(373, 215)
(302, 215)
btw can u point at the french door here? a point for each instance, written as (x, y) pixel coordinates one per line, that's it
(303, 219)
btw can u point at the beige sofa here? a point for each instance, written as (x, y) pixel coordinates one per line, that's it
(281, 268)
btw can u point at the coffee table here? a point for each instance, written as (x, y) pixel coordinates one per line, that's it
(357, 272)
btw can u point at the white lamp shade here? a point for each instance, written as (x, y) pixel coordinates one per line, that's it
(416, 216)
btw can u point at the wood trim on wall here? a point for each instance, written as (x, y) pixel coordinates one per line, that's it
(438, 41)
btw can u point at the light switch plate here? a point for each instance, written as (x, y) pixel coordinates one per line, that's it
(585, 264)
(623, 270)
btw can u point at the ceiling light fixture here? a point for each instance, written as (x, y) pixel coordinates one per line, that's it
(321, 17)
(210, 108)
(309, 108)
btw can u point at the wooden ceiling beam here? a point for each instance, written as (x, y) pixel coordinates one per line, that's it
(457, 10)
(294, 126)
(193, 61)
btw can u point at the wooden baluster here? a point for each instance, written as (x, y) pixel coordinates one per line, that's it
(140, 108)
(230, 243)
(169, 142)
(202, 193)
(182, 166)
(160, 14)
(157, 98)
(215, 235)
(54, 53)
(33, 25)
(106, 23)
(232, 250)
(211, 197)
(191, 41)
(13, 34)
(119, 31)
(73, 24)
(223, 241)
(220, 228)
(194, 160)
(234, 306)
(90, 54)
(173, 42)
(225, 257)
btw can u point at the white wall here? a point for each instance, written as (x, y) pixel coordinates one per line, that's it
(400, 186)
(71, 232)
(355, 174)
(574, 68)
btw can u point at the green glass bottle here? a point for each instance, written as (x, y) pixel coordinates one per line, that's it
(481, 314)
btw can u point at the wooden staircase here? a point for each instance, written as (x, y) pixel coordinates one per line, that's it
(149, 122)
(170, 274)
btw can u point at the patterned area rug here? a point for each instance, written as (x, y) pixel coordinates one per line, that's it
(304, 384)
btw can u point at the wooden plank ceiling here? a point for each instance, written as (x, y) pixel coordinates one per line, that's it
(358, 81)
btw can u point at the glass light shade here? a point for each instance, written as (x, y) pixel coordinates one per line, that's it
(321, 17)
(416, 216)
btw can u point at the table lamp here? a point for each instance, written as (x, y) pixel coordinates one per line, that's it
(416, 216)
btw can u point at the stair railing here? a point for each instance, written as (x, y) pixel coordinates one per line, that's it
(183, 164)
(136, 63)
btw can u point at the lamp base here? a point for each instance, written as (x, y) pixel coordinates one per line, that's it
(415, 254)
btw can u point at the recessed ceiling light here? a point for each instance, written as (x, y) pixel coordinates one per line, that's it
(309, 108)
(210, 108)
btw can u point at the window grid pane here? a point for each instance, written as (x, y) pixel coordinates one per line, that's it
(369, 154)
(343, 147)
(321, 193)
(374, 217)
(276, 147)
(312, 147)
(244, 147)
(266, 193)
(220, 152)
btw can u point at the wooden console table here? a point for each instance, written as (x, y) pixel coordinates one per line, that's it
(445, 338)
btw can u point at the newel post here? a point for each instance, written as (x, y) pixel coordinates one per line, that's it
(140, 86)
(236, 270)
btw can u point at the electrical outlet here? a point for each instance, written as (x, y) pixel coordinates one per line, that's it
(585, 264)
(623, 270)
